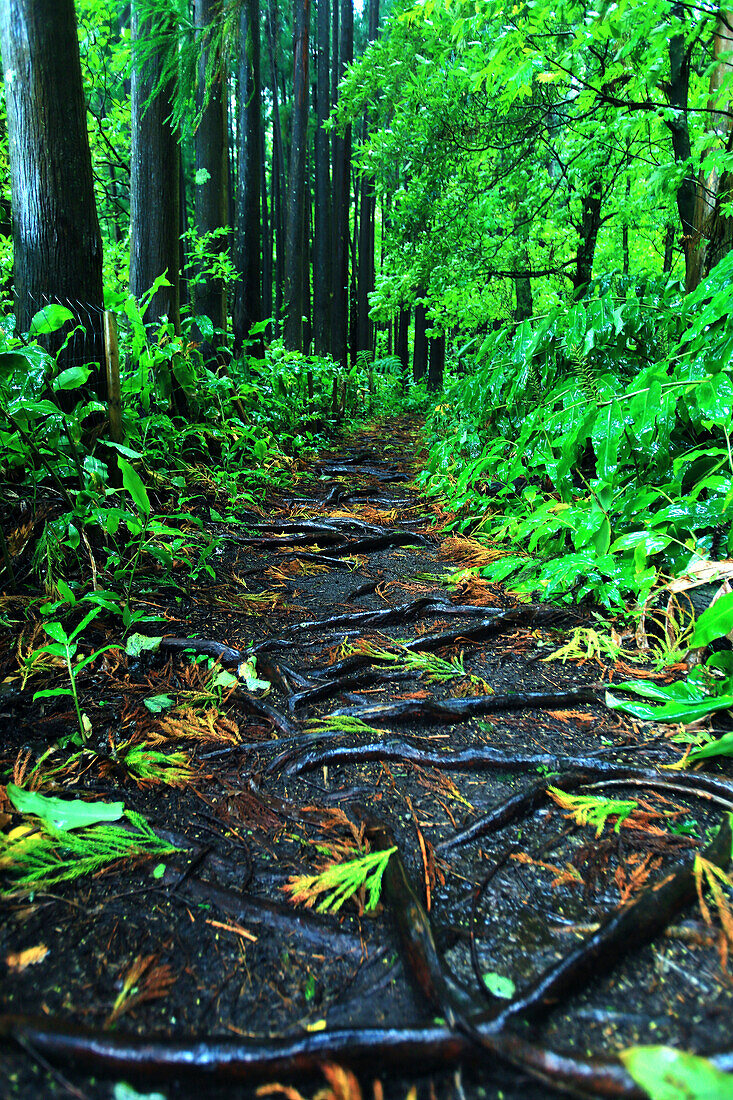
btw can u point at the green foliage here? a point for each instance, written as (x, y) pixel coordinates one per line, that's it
(706, 690)
(340, 881)
(37, 856)
(63, 813)
(589, 809)
(668, 1074)
(595, 492)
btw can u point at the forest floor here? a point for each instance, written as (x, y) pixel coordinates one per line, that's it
(334, 588)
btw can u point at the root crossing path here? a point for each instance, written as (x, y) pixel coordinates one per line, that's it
(350, 688)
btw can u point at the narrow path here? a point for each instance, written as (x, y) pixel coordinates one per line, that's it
(410, 705)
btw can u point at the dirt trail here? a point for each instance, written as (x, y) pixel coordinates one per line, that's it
(402, 710)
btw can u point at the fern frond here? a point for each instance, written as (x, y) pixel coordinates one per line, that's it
(341, 881)
(587, 809)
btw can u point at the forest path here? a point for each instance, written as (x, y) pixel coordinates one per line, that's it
(410, 706)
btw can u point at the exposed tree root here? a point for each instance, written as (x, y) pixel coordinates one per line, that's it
(457, 710)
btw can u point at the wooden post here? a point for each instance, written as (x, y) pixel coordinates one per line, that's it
(114, 400)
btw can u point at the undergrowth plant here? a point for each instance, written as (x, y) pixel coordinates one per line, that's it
(592, 445)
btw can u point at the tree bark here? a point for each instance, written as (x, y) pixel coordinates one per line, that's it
(277, 190)
(295, 213)
(211, 202)
(437, 363)
(677, 93)
(713, 230)
(365, 328)
(248, 296)
(322, 288)
(57, 243)
(341, 198)
(420, 344)
(402, 347)
(590, 225)
(154, 186)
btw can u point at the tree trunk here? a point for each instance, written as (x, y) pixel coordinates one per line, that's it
(677, 92)
(713, 230)
(266, 241)
(57, 243)
(154, 185)
(248, 298)
(211, 202)
(420, 346)
(668, 249)
(322, 289)
(402, 346)
(295, 213)
(590, 225)
(437, 363)
(341, 197)
(365, 329)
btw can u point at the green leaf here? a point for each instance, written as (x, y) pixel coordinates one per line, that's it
(499, 986)
(156, 704)
(65, 592)
(723, 746)
(141, 643)
(126, 451)
(51, 693)
(71, 379)
(133, 483)
(685, 712)
(50, 319)
(714, 623)
(669, 1074)
(57, 632)
(247, 671)
(62, 813)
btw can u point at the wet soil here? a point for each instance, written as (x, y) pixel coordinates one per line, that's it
(221, 949)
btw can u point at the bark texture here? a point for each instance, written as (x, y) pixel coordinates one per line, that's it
(248, 300)
(57, 243)
(295, 235)
(154, 184)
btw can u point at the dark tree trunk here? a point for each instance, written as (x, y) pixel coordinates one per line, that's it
(295, 213)
(365, 328)
(420, 345)
(266, 241)
(402, 343)
(588, 236)
(523, 291)
(677, 92)
(57, 243)
(341, 196)
(437, 363)
(322, 290)
(154, 186)
(668, 249)
(248, 297)
(353, 314)
(278, 173)
(211, 150)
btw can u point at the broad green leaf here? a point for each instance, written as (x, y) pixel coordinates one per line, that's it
(499, 985)
(50, 319)
(669, 1074)
(133, 483)
(65, 592)
(63, 813)
(71, 379)
(140, 643)
(57, 632)
(126, 451)
(678, 711)
(722, 746)
(156, 704)
(714, 623)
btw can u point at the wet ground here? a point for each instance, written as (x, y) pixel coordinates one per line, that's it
(344, 591)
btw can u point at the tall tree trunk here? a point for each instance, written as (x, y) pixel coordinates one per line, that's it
(437, 363)
(365, 329)
(322, 288)
(590, 225)
(420, 345)
(295, 214)
(402, 344)
(278, 171)
(677, 93)
(668, 249)
(248, 298)
(266, 240)
(713, 235)
(211, 150)
(341, 196)
(154, 185)
(57, 243)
